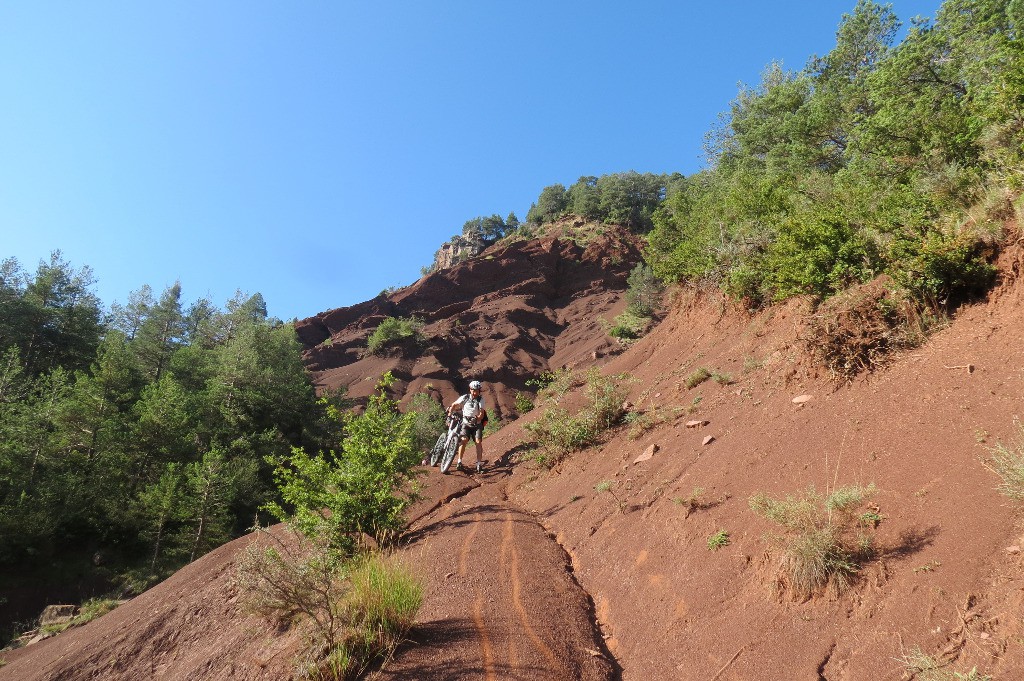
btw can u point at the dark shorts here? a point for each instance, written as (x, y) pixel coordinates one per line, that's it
(474, 433)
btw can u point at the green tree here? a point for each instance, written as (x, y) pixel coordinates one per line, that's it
(160, 333)
(362, 488)
(550, 205)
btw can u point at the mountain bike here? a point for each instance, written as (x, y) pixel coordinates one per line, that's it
(447, 444)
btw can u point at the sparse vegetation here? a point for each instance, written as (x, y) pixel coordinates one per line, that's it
(697, 377)
(721, 378)
(558, 432)
(641, 421)
(692, 502)
(824, 541)
(87, 612)
(393, 331)
(353, 611)
(924, 667)
(927, 567)
(609, 487)
(718, 540)
(1007, 461)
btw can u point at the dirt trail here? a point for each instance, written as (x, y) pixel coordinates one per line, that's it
(501, 602)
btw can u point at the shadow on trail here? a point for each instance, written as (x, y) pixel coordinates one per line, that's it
(491, 513)
(425, 656)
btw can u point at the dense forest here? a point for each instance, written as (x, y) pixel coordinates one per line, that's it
(135, 438)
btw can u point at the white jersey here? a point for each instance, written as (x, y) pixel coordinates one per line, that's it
(471, 408)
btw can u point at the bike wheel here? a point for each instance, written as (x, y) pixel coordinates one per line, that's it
(438, 450)
(450, 447)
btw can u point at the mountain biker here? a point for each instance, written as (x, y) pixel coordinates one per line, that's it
(474, 418)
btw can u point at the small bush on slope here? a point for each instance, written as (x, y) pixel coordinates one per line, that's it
(391, 331)
(353, 611)
(558, 432)
(824, 539)
(1008, 463)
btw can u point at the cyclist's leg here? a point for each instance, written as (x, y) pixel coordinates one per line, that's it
(478, 438)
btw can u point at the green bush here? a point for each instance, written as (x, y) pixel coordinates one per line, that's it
(352, 611)
(361, 489)
(392, 331)
(523, 403)
(824, 540)
(629, 326)
(558, 432)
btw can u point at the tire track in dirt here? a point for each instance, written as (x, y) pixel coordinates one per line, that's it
(499, 603)
(507, 547)
(478, 602)
(485, 638)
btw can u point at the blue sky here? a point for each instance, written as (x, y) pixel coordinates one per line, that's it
(319, 152)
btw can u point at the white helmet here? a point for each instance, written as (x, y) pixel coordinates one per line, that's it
(475, 385)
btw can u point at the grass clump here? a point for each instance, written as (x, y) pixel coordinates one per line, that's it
(393, 331)
(718, 540)
(824, 541)
(559, 432)
(1007, 461)
(87, 612)
(697, 377)
(924, 667)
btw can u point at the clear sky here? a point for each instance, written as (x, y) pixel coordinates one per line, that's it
(318, 152)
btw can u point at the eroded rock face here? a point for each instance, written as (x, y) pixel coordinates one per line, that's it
(502, 317)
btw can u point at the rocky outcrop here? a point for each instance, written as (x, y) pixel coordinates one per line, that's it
(502, 317)
(459, 249)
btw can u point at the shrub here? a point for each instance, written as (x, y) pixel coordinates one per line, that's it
(392, 331)
(558, 432)
(354, 611)
(643, 291)
(1008, 463)
(629, 326)
(523, 403)
(362, 488)
(824, 540)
